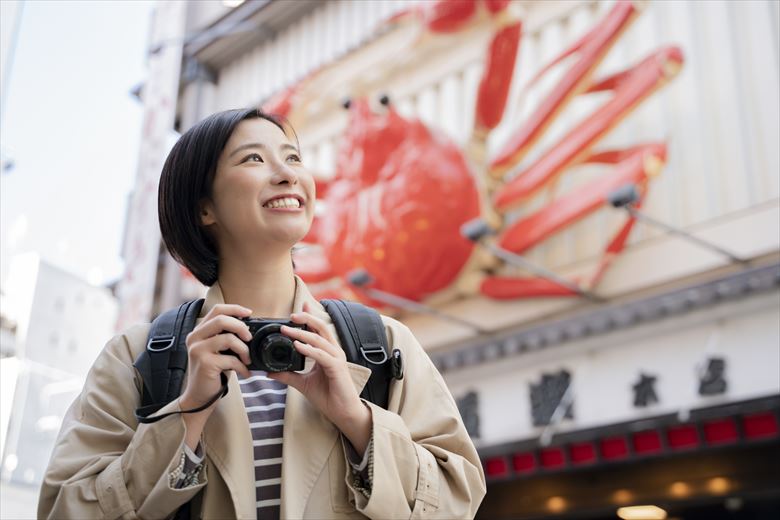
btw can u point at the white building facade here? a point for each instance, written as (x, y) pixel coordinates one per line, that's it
(62, 323)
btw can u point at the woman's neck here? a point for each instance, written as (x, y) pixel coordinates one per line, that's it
(265, 285)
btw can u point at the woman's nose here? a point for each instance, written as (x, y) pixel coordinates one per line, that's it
(283, 174)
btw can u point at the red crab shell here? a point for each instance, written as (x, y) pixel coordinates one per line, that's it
(396, 204)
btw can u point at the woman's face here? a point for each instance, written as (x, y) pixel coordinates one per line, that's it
(262, 195)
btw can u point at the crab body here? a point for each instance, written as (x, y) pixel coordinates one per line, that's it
(397, 205)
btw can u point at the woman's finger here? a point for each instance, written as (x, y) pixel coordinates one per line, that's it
(313, 323)
(313, 339)
(228, 309)
(322, 358)
(231, 363)
(226, 342)
(218, 325)
(288, 378)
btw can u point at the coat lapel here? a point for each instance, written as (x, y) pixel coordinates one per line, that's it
(227, 438)
(228, 443)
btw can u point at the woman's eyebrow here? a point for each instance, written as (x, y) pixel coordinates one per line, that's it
(246, 147)
(285, 146)
(288, 146)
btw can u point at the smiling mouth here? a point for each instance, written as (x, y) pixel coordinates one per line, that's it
(284, 203)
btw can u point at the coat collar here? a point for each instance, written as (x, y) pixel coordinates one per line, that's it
(309, 437)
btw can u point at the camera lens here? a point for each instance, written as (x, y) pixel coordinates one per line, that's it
(272, 351)
(277, 352)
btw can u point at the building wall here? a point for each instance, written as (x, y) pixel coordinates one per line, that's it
(719, 117)
(202, 14)
(62, 324)
(604, 370)
(325, 34)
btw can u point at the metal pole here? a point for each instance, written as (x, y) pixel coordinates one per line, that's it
(411, 305)
(557, 416)
(516, 259)
(676, 231)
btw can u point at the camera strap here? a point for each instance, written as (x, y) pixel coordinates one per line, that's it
(163, 363)
(219, 395)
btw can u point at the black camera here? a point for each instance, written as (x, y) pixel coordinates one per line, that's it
(269, 349)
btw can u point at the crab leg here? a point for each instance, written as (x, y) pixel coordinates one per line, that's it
(616, 245)
(446, 16)
(591, 49)
(511, 287)
(491, 100)
(631, 88)
(494, 86)
(635, 165)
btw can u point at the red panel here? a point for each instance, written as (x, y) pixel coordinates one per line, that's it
(614, 448)
(524, 462)
(682, 437)
(552, 458)
(647, 442)
(722, 431)
(760, 426)
(496, 467)
(582, 453)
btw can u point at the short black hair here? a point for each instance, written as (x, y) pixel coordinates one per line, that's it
(187, 179)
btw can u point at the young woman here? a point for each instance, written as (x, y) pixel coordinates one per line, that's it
(234, 198)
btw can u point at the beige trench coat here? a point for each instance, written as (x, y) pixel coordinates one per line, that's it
(106, 465)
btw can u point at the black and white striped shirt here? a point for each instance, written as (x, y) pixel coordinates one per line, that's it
(264, 400)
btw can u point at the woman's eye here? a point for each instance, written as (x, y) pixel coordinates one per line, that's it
(253, 157)
(294, 158)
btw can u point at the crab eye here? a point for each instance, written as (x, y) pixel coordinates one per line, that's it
(384, 100)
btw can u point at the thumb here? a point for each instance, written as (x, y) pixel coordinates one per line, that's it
(288, 378)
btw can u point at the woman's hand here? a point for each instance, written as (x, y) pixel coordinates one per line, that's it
(219, 330)
(328, 386)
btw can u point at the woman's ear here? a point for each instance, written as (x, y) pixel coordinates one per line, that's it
(206, 213)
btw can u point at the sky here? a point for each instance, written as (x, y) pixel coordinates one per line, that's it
(72, 129)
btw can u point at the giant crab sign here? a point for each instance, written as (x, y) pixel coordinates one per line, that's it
(402, 193)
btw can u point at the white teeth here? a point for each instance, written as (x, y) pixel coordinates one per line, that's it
(288, 202)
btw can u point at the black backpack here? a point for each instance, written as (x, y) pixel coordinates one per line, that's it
(164, 361)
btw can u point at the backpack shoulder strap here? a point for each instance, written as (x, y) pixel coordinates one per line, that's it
(363, 338)
(164, 361)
